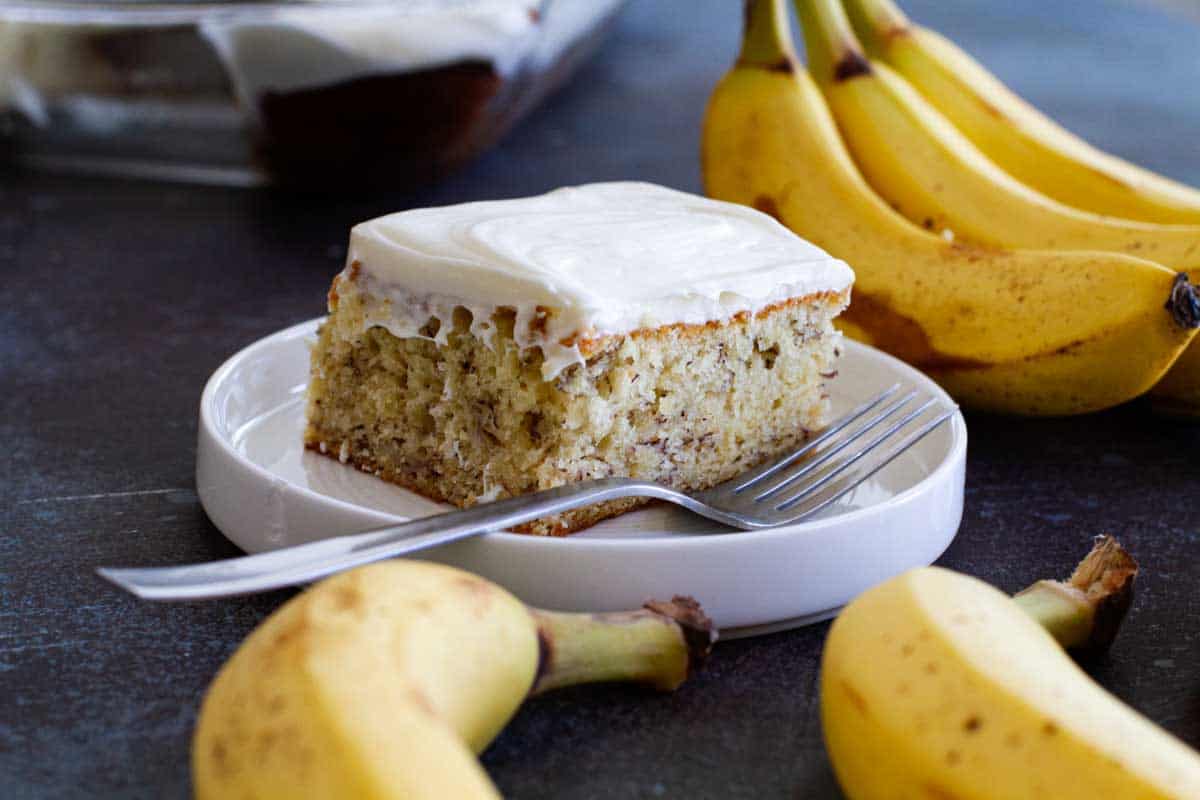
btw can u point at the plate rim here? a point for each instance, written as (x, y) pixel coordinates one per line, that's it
(955, 454)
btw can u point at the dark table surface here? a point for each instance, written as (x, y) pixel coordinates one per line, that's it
(119, 299)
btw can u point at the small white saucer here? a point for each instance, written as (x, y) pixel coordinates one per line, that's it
(264, 491)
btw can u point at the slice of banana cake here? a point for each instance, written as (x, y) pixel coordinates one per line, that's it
(489, 349)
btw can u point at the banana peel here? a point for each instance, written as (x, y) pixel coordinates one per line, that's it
(1014, 331)
(920, 163)
(935, 684)
(1035, 150)
(385, 681)
(1020, 139)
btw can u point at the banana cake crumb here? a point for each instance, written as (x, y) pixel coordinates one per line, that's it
(472, 421)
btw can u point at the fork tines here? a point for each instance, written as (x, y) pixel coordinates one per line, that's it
(819, 473)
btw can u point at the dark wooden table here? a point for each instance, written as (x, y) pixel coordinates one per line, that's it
(119, 299)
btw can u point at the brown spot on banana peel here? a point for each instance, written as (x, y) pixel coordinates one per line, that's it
(480, 591)
(768, 206)
(988, 108)
(935, 792)
(545, 658)
(220, 758)
(296, 630)
(855, 697)
(265, 744)
(852, 64)
(902, 336)
(784, 65)
(347, 598)
(1184, 302)
(421, 700)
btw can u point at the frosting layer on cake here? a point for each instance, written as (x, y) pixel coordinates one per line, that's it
(581, 263)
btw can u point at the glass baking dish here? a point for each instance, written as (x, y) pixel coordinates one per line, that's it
(303, 92)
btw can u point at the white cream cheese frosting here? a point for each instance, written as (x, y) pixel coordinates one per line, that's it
(282, 47)
(340, 41)
(603, 259)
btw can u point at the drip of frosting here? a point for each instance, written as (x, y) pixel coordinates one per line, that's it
(581, 263)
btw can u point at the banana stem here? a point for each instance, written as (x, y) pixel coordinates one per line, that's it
(1184, 302)
(834, 52)
(766, 38)
(877, 22)
(1085, 611)
(659, 645)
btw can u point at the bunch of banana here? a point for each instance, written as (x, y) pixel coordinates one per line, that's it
(935, 684)
(1033, 331)
(1034, 149)
(952, 148)
(1021, 140)
(384, 682)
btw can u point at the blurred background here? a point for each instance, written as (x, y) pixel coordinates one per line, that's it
(402, 95)
(1187, 6)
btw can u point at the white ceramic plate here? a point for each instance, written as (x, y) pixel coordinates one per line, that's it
(264, 491)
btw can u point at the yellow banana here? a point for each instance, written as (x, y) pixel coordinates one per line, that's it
(1178, 393)
(937, 685)
(1016, 136)
(929, 169)
(920, 163)
(1014, 331)
(384, 682)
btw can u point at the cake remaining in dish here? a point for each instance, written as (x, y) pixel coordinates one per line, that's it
(301, 92)
(491, 349)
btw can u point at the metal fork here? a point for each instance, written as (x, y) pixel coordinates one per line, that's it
(798, 485)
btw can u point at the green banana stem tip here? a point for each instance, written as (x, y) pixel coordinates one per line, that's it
(834, 52)
(659, 645)
(877, 18)
(1085, 612)
(766, 37)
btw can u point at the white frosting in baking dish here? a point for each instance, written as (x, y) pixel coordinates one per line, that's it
(281, 47)
(605, 258)
(339, 41)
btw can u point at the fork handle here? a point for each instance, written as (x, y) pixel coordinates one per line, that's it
(308, 562)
